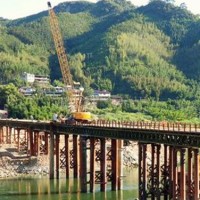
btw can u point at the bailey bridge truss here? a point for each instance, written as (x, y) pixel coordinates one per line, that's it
(70, 146)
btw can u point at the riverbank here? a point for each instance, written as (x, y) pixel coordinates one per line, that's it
(26, 166)
(13, 164)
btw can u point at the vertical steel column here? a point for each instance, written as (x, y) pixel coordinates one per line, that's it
(4, 129)
(196, 174)
(114, 146)
(152, 175)
(120, 163)
(57, 155)
(36, 143)
(157, 181)
(26, 137)
(28, 142)
(142, 171)
(1, 135)
(15, 137)
(103, 165)
(166, 173)
(153, 184)
(67, 155)
(31, 143)
(46, 136)
(182, 176)
(175, 175)
(171, 172)
(30, 135)
(75, 150)
(92, 164)
(7, 133)
(189, 195)
(83, 163)
(18, 140)
(51, 155)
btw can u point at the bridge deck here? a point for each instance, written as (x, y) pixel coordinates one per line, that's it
(185, 135)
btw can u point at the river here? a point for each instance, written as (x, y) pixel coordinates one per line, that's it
(41, 188)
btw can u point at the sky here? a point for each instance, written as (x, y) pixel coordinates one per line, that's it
(13, 9)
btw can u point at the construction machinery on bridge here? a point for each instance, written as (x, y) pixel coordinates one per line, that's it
(74, 90)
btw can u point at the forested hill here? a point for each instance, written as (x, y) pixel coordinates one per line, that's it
(149, 51)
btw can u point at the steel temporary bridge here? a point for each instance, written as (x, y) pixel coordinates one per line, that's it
(102, 141)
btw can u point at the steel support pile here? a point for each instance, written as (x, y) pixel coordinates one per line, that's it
(166, 175)
(93, 160)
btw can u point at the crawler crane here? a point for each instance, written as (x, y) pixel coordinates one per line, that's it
(75, 94)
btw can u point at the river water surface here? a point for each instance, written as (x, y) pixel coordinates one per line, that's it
(41, 188)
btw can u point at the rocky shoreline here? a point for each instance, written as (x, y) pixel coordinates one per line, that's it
(130, 155)
(10, 168)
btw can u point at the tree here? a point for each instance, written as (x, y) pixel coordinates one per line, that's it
(183, 6)
(7, 94)
(153, 0)
(169, 1)
(103, 104)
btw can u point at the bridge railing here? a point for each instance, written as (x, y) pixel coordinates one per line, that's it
(148, 125)
(185, 127)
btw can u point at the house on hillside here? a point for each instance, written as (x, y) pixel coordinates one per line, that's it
(27, 91)
(38, 79)
(28, 78)
(43, 80)
(103, 95)
(100, 95)
(53, 91)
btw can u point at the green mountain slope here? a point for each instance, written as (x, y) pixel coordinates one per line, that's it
(150, 51)
(174, 21)
(183, 28)
(17, 57)
(139, 61)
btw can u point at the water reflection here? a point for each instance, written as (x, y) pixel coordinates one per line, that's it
(41, 188)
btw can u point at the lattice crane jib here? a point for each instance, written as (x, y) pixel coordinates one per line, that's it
(58, 41)
(75, 95)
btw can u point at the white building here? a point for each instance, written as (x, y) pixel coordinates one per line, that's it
(29, 78)
(42, 79)
(32, 78)
(101, 93)
(27, 91)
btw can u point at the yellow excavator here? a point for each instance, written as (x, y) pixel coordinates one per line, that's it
(74, 90)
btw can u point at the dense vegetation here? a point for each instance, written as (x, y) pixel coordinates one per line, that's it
(39, 107)
(149, 54)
